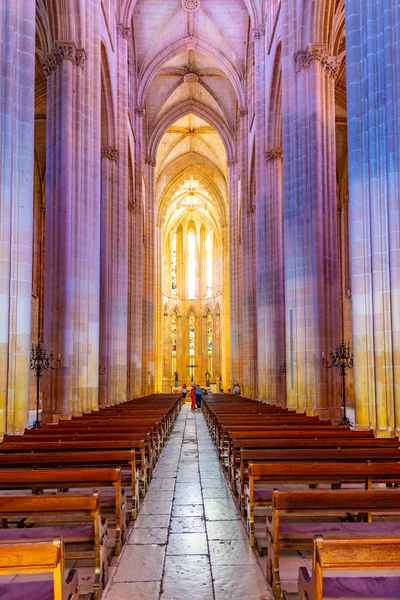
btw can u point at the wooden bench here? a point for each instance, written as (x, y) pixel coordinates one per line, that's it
(31, 558)
(344, 455)
(125, 459)
(74, 518)
(102, 445)
(113, 508)
(349, 554)
(150, 440)
(243, 440)
(286, 529)
(265, 477)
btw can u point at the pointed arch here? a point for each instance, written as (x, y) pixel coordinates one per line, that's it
(191, 43)
(200, 110)
(275, 103)
(253, 7)
(107, 103)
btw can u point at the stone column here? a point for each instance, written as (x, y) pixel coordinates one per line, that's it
(135, 246)
(114, 244)
(373, 100)
(17, 84)
(248, 333)
(72, 238)
(270, 283)
(235, 241)
(222, 357)
(110, 293)
(148, 281)
(310, 226)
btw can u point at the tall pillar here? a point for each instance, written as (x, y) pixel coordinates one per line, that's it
(235, 241)
(114, 244)
(270, 283)
(17, 85)
(112, 300)
(269, 245)
(373, 100)
(248, 340)
(310, 225)
(148, 281)
(72, 238)
(135, 246)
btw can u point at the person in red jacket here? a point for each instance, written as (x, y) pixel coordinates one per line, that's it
(193, 397)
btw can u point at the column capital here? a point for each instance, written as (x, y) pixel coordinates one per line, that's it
(150, 161)
(273, 154)
(139, 110)
(132, 207)
(317, 53)
(232, 161)
(243, 111)
(124, 32)
(63, 51)
(110, 153)
(251, 208)
(258, 33)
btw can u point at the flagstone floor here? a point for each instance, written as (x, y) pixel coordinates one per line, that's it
(188, 541)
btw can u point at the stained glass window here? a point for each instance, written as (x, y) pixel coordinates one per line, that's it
(174, 333)
(173, 264)
(191, 335)
(209, 333)
(209, 264)
(191, 263)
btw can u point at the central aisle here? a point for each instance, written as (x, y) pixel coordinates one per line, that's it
(188, 541)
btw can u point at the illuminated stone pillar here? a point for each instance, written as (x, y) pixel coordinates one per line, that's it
(235, 262)
(114, 245)
(135, 246)
(148, 281)
(310, 224)
(270, 283)
(72, 228)
(17, 83)
(373, 101)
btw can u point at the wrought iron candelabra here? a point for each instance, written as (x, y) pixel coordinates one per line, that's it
(41, 361)
(342, 359)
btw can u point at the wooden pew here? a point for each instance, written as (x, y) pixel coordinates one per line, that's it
(125, 459)
(32, 558)
(264, 438)
(151, 446)
(286, 529)
(349, 554)
(66, 479)
(101, 445)
(270, 475)
(344, 455)
(238, 443)
(74, 518)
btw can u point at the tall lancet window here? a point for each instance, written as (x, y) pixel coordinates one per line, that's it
(209, 333)
(191, 264)
(192, 346)
(209, 264)
(173, 264)
(174, 333)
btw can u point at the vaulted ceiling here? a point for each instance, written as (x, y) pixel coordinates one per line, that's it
(190, 73)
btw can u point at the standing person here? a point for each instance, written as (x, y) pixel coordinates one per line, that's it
(184, 391)
(236, 389)
(193, 397)
(199, 396)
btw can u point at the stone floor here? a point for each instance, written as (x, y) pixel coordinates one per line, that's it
(188, 540)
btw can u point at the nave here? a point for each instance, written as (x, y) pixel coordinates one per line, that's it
(188, 540)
